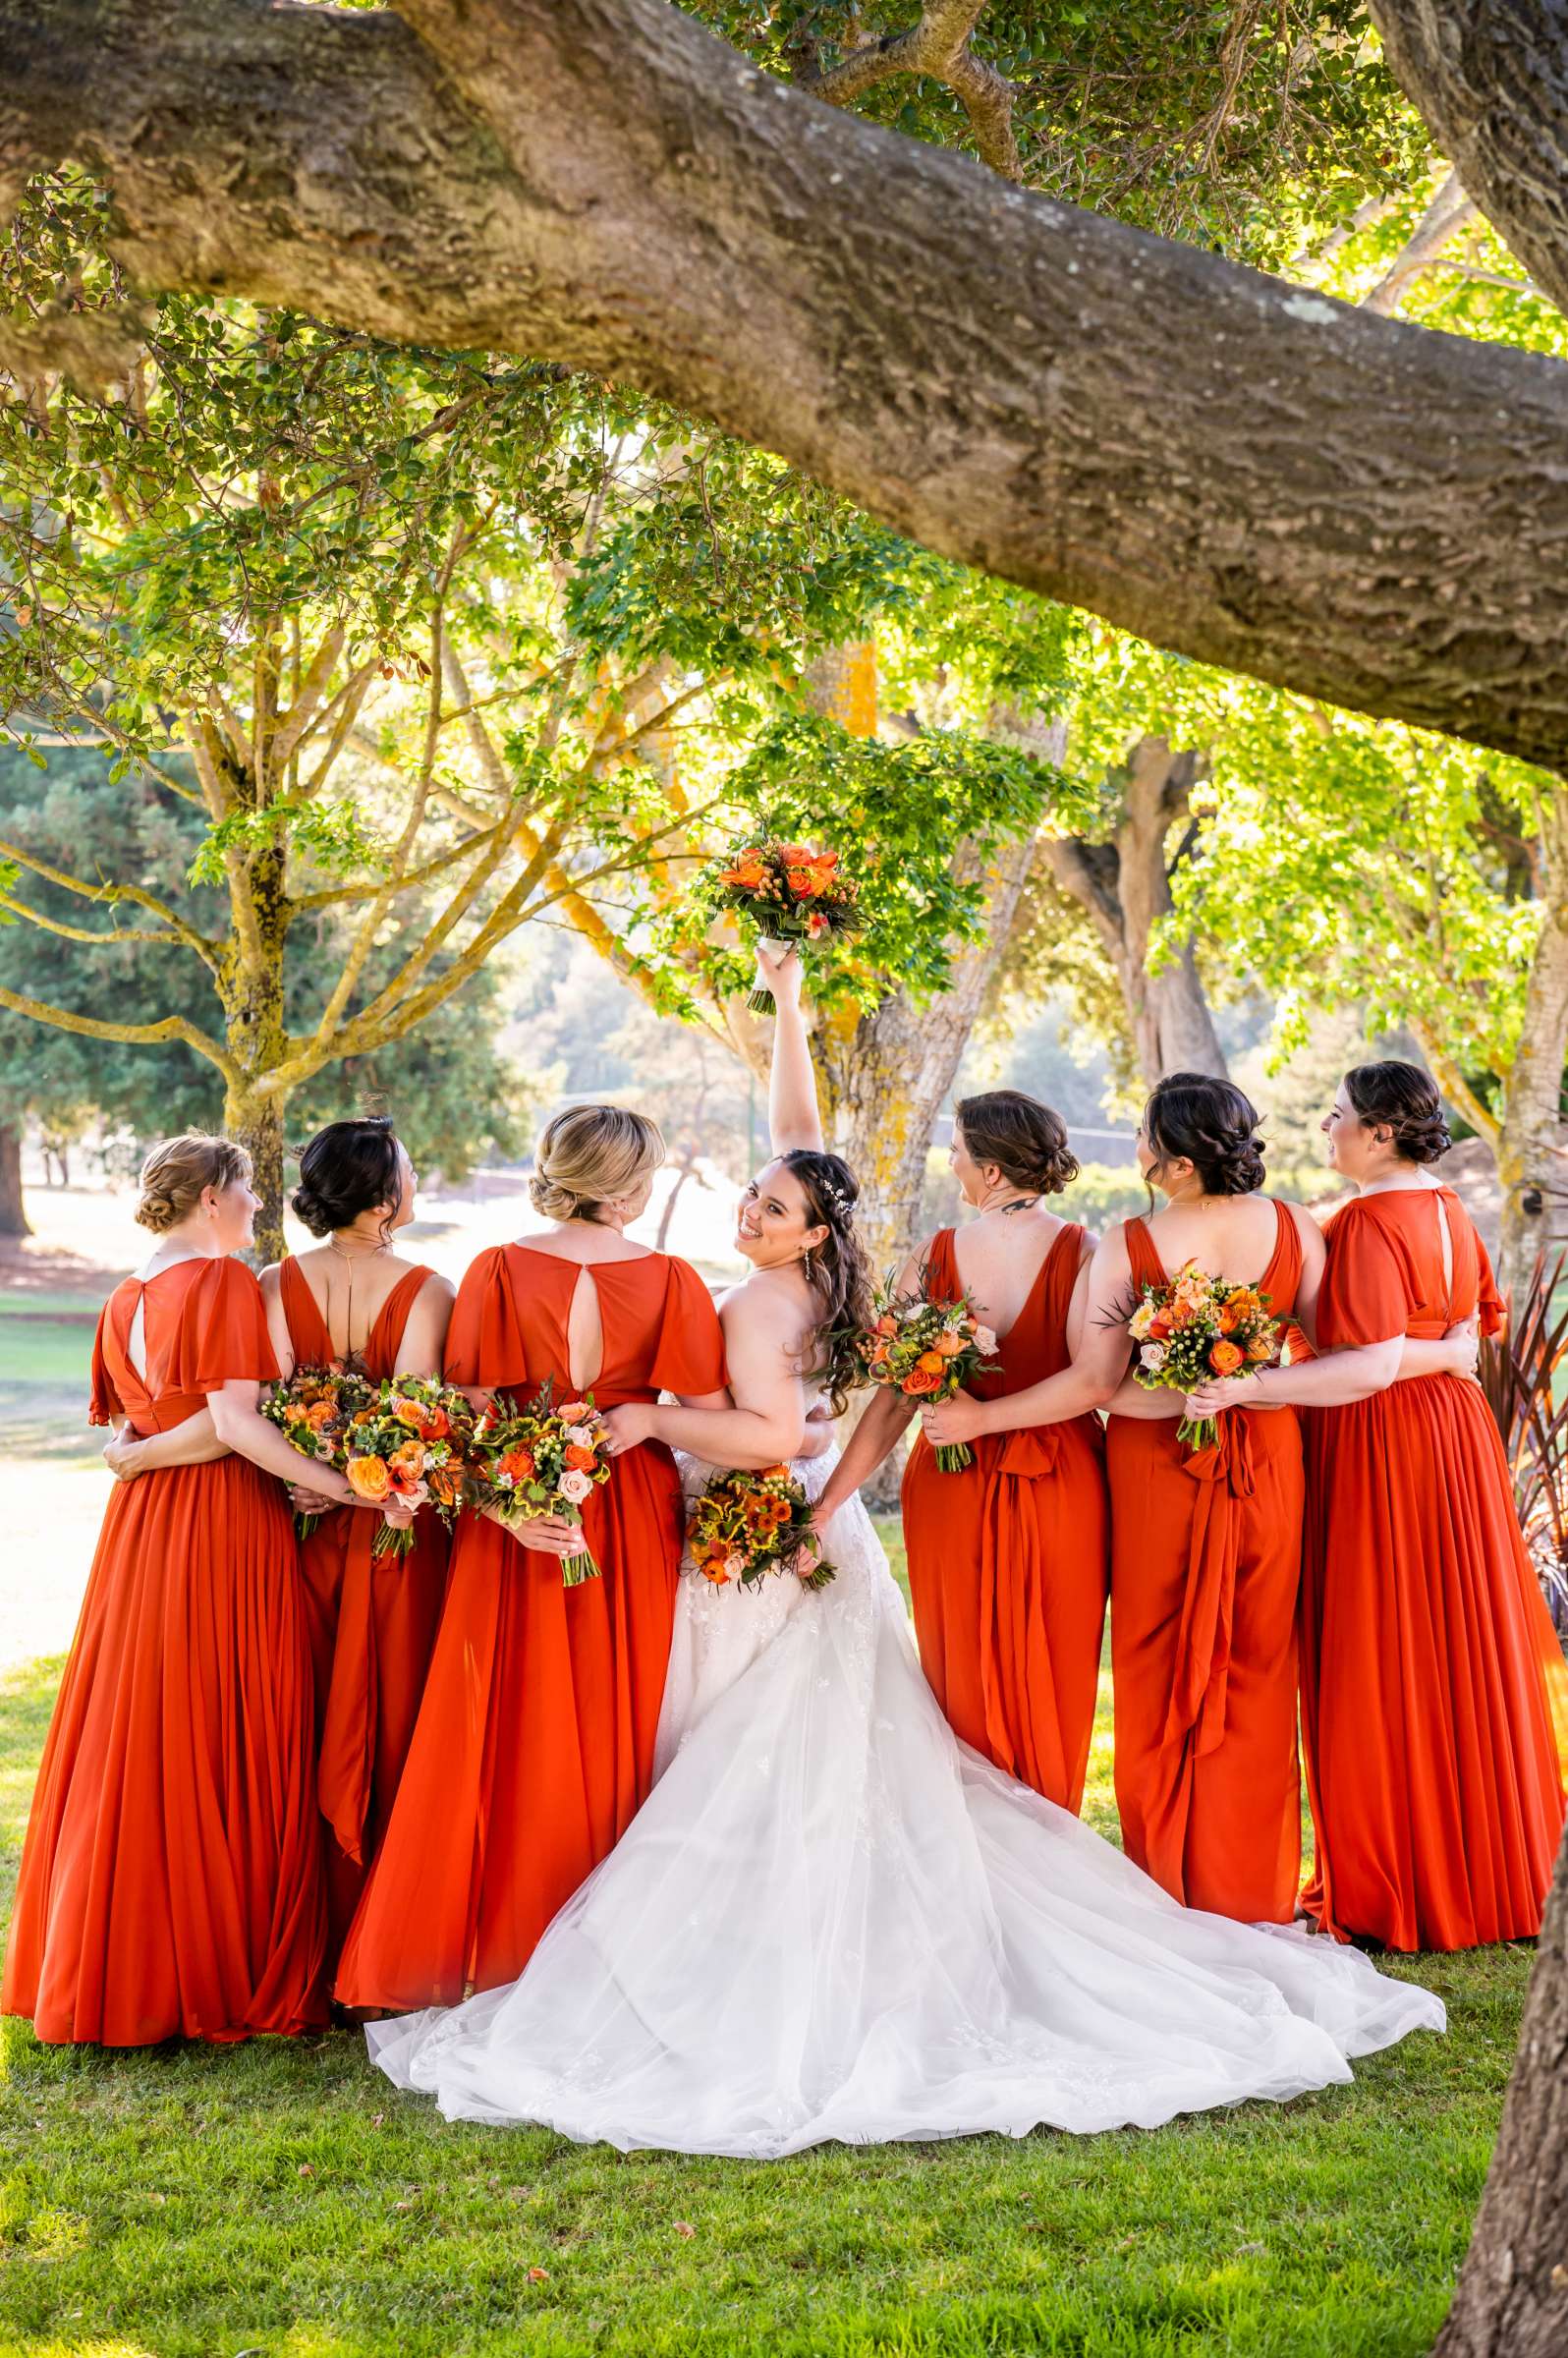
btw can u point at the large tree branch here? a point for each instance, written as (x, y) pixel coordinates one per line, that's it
(137, 894)
(1249, 473)
(1490, 79)
(937, 46)
(171, 1026)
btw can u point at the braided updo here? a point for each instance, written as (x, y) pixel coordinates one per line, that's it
(1209, 1123)
(1021, 1136)
(177, 1170)
(590, 1155)
(1403, 1099)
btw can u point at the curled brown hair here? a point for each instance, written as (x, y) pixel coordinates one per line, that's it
(1403, 1099)
(1025, 1138)
(177, 1170)
(837, 1269)
(1209, 1124)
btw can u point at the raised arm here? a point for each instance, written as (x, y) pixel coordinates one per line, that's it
(792, 1117)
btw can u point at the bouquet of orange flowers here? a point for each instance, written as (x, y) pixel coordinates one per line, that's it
(541, 1460)
(927, 1350)
(313, 1410)
(747, 1525)
(410, 1441)
(791, 892)
(1197, 1327)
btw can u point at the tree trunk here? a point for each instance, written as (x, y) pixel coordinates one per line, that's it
(1490, 79)
(13, 1211)
(1124, 886)
(1246, 472)
(1512, 2299)
(1530, 1169)
(256, 1124)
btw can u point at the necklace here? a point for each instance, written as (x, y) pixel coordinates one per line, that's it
(348, 1259)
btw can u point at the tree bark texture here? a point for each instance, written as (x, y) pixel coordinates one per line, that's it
(1512, 2299)
(13, 1220)
(1241, 470)
(1532, 1172)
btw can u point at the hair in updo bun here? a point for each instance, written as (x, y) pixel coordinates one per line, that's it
(1026, 1140)
(591, 1156)
(1402, 1099)
(177, 1170)
(1211, 1125)
(348, 1168)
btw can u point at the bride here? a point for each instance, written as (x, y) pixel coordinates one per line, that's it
(831, 1919)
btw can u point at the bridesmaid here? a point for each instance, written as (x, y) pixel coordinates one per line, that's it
(1206, 1548)
(170, 1882)
(1427, 1645)
(534, 1743)
(373, 1619)
(1008, 1560)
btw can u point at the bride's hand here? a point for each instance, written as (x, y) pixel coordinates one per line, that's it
(960, 1419)
(626, 1427)
(818, 1438)
(780, 972)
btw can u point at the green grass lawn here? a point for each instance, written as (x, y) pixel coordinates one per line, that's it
(282, 2199)
(45, 1372)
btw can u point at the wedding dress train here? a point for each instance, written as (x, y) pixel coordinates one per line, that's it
(831, 1920)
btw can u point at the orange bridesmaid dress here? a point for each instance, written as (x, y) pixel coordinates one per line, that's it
(170, 1882)
(372, 1621)
(1009, 1558)
(1205, 1579)
(533, 1748)
(1429, 1665)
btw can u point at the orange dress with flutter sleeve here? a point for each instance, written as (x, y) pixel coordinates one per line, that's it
(533, 1748)
(1429, 1665)
(372, 1621)
(1205, 1579)
(1009, 1557)
(171, 1881)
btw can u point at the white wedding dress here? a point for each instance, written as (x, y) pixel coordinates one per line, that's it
(832, 1920)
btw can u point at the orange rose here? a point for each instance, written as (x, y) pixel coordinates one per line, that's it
(796, 855)
(407, 1411)
(1230, 1319)
(436, 1426)
(922, 1381)
(750, 876)
(931, 1362)
(1159, 1330)
(446, 1484)
(369, 1478)
(1260, 1347)
(519, 1463)
(319, 1413)
(583, 1460)
(803, 882)
(409, 1456)
(886, 1324)
(1226, 1357)
(948, 1346)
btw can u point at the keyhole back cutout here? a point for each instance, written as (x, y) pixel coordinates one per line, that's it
(585, 1332)
(1446, 1243)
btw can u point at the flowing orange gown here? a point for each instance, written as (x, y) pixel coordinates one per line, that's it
(1205, 1579)
(372, 1621)
(1428, 1658)
(171, 1879)
(1009, 1558)
(533, 1748)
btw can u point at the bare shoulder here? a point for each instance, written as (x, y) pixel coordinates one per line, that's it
(272, 1281)
(436, 1288)
(768, 1305)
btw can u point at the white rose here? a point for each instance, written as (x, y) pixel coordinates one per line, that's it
(984, 1341)
(580, 1437)
(1138, 1324)
(734, 1565)
(575, 1486)
(1152, 1357)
